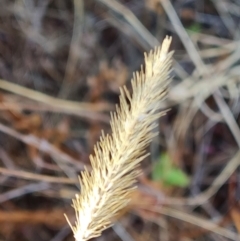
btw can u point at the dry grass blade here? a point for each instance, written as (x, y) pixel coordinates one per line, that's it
(67, 105)
(106, 188)
(201, 222)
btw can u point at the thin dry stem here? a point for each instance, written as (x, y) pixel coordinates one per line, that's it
(105, 190)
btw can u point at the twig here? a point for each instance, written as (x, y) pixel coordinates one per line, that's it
(81, 109)
(33, 106)
(36, 177)
(33, 217)
(74, 54)
(200, 222)
(187, 42)
(30, 188)
(134, 22)
(42, 145)
(51, 101)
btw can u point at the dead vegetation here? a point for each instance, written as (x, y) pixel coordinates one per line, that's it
(61, 63)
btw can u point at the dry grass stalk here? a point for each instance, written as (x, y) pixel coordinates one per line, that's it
(105, 190)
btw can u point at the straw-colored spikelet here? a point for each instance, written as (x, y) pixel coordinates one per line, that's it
(105, 190)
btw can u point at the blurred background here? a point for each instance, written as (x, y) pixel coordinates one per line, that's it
(61, 66)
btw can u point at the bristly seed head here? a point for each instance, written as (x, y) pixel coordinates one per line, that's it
(105, 190)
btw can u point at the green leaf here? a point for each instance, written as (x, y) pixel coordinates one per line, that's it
(167, 173)
(161, 167)
(176, 177)
(195, 27)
